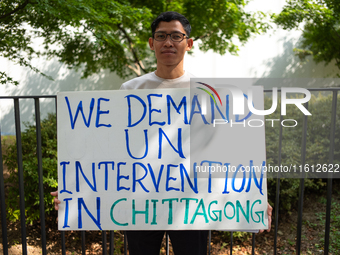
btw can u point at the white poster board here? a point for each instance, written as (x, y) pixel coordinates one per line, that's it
(126, 161)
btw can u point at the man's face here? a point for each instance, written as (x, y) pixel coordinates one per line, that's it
(167, 52)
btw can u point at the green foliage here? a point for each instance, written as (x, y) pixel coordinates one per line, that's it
(335, 225)
(317, 146)
(104, 34)
(6, 141)
(238, 235)
(319, 22)
(334, 235)
(119, 242)
(30, 166)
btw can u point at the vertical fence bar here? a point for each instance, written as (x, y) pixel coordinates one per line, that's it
(112, 242)
(20, 175)
(277, 199)
(209, 251)
(104, 245)
(125, 243)
(328, 214)
(253, 244)
(63, 248)
(40, 174)
(83, 247)
(231, 242)
(330, 179)
(167, 248)
(302, 183)
(3, 205)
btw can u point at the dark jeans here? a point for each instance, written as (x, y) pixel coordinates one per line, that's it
(184, 242)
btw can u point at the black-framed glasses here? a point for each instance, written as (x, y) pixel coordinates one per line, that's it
(174, 36)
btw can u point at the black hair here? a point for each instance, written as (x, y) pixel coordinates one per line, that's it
(169, 16)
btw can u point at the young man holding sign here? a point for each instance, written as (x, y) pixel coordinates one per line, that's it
(170, 41)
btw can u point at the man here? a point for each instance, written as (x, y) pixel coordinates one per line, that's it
(170, 41)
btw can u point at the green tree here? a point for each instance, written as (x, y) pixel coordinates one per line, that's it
(319, 21)
(105, 34)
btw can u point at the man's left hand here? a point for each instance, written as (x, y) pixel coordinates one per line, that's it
(269, 212)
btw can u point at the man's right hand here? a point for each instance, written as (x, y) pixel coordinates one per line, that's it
(56, 200)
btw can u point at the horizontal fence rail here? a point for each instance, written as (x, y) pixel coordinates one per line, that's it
(16, 100)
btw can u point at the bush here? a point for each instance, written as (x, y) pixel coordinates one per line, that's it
(30, 167)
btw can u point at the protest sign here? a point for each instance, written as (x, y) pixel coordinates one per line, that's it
(157, 159)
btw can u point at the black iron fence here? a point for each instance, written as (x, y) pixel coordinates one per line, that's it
(20, 167)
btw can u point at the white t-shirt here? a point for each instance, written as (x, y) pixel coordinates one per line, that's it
(152, 81)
